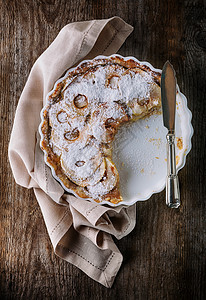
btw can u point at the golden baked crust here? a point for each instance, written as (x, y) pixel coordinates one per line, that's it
(82, 115)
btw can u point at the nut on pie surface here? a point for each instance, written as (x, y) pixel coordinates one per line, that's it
(84, 111)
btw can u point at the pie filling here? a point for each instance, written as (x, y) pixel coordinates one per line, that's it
(82, 115)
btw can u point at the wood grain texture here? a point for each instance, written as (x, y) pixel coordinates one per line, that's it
(164, 256)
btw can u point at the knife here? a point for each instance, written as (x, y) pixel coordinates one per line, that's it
(168, 99)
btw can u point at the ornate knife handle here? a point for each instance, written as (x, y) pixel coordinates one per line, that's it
(172, 182)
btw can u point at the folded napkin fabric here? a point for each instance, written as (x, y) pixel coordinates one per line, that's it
(80, 231)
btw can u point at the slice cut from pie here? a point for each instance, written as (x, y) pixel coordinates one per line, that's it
(84, 111)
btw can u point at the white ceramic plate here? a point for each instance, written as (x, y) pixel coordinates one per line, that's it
(139, 151)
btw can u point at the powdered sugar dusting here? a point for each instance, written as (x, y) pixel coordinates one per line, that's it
(93, 104)
(88, 154)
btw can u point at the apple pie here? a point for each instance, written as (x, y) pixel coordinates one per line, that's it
(84, 111)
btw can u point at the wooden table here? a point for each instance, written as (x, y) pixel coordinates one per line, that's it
(164, 256)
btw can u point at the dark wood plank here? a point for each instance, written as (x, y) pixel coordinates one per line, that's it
(164, 256)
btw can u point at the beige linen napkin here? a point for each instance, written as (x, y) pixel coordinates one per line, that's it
(80, 231)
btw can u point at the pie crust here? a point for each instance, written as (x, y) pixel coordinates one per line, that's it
(84, 111)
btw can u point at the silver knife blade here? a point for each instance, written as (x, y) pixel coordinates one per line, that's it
(168, 96)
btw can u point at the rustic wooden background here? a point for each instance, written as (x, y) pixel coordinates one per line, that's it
(164, 256)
